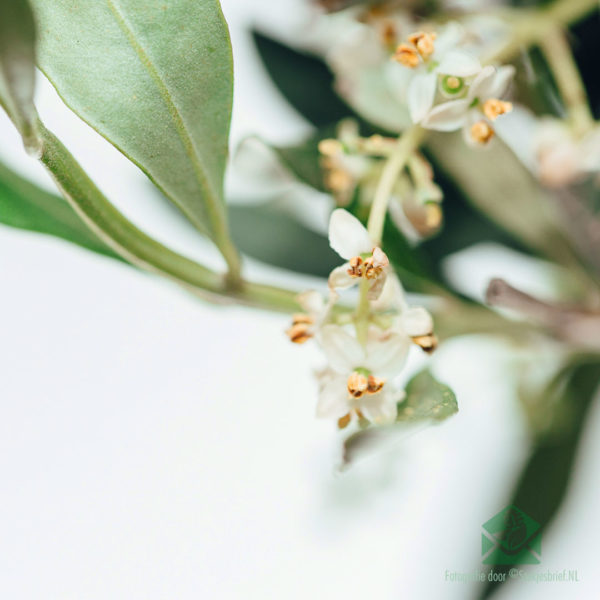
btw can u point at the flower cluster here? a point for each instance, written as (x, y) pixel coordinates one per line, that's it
(450, 89)
(435, 79)
(367, 349)
(352, 167)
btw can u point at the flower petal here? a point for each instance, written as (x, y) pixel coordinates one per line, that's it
(459, 63)
(311, 302)
(502, 81)
(421, 92)
(340, 279)
(386, 356)
(333, 399)
(380, 409)
(347, 235)
(417, 321)
(491, 83)
(377, 287)
(343, 351)
(448, 38)
(482, 83)
(448, 116)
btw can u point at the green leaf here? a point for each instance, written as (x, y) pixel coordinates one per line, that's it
(17, 68)
(544, 481)
(26, 206)
(155, 79)
(498, 185)
(303, 159)
(270, 235)
(427, 398)
(304, 80)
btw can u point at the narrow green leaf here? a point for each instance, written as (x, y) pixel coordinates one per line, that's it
(17, 68)
(427, 398)
(544, 481)
(155, 79)
(25, 206)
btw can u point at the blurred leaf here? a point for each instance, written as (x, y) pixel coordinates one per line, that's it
(427, 398)
(498, 185)
(272, 236)
(155, 79)
(464, 225)
(17, 68)
(303, 159)
(544, 481)
(26, 206)
(304, 80)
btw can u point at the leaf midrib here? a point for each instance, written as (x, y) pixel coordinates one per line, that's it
(188, 144)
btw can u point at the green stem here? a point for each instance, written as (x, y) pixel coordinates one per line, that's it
(407, 142)
(134, 245)
(560, 59)
(531, 27)
(396, 161)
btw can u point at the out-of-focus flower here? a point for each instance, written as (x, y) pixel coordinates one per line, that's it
(343, 165)
(476, 112)
(350, 239)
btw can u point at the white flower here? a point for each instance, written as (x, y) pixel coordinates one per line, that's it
(473, 112)
(353, 385)
(430, 57)
(350, 239)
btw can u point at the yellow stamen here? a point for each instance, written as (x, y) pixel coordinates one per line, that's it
(356, 267)
(427, 342)
(299, 333)
(493, 108)
(330, 147)
(344, 421)
(407, 55)
(357, 385)
(423, 42)
(374, 384)
(481, 132)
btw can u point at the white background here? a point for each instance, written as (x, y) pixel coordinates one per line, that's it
(155, 447)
